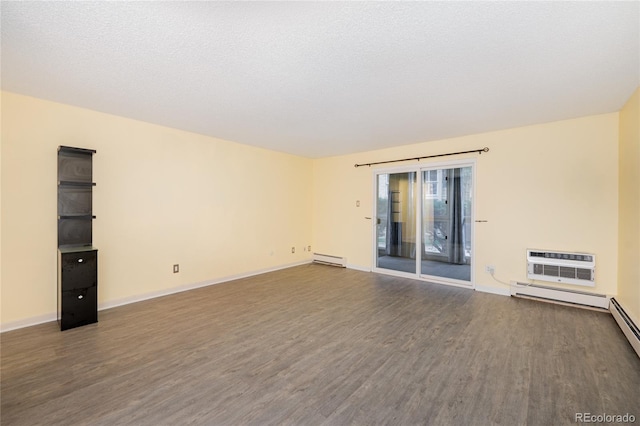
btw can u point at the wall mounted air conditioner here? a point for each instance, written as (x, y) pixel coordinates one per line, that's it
(561, 267)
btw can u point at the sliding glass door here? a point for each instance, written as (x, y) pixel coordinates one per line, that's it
(446, 223)
(424, 221)
(397, 202)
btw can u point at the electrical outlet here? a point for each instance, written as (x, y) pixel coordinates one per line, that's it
(309, 248)
(293, 249)
(176, 268)
(490, 269)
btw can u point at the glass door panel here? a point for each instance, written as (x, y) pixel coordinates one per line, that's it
(397, 203)
(446, 223)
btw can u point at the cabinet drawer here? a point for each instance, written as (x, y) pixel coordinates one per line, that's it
(79, 270)
(79, 307)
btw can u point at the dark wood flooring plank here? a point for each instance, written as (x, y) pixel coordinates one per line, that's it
(321, 345)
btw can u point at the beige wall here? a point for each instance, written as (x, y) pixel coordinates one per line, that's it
(629, 212)
(220, 209)
(163, 196)
(550, 186)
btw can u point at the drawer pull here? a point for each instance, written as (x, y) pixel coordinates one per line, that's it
(80, 260)
(80, 296)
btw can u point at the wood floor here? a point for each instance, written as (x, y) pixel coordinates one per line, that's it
(317, 345)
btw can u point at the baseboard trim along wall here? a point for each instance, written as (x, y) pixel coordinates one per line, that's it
(629, 328)
(41, 319)
(493, 290)
(358, 268)
(28, 322)
(560, 295)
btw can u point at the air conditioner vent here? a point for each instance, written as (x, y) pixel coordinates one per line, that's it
(584, 274)
(568, 272)
(561, 267)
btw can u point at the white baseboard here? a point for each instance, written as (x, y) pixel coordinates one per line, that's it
(28, 322)
(493, 290)
(40, 319)
(626, 323)
(560, 295)
(358, 267)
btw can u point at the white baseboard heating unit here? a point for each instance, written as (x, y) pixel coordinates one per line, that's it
(326, 259)
(560, 295)
(628, 327)
(561, 267)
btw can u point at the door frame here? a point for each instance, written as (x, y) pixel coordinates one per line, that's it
(418, 169)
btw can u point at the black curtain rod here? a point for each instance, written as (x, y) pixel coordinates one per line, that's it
(479, 151)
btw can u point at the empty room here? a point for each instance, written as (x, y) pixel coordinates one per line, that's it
(320, 213)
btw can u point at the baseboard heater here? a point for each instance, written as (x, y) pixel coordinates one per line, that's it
(326, 259)
(628, 327)
(560, 295)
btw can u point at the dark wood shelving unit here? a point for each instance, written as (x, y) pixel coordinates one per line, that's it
(77, 258)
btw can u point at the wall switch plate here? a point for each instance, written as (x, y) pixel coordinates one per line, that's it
(293, 249)
(176, 268)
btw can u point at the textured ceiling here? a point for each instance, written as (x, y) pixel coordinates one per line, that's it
(326, 78)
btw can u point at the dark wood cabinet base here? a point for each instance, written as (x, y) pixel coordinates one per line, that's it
(77, 287)
(79, 307)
